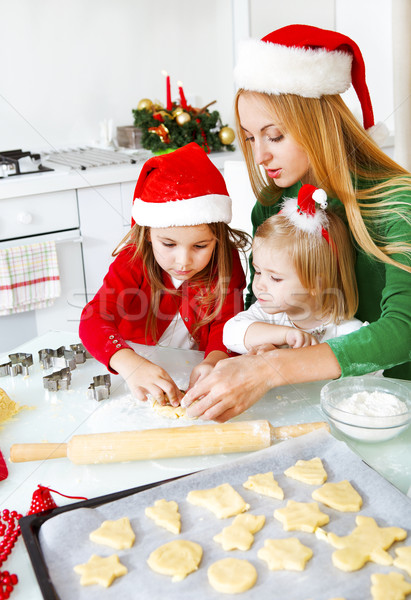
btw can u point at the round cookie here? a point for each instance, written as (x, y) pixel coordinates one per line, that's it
(232, 575)
(178, 558)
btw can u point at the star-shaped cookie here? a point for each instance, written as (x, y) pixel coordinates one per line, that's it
(308, 471)
(367, 542)
(222, 500)
(403, 560)
(389, 587)
(288, 554)
(301, 516)
(265, 484)
(101, 571)
(340, 496)
(239, 535)
(116, 534)
(165, 514)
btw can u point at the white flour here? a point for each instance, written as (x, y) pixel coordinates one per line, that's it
(373, 404)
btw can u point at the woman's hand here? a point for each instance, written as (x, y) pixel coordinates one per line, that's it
(144, 377)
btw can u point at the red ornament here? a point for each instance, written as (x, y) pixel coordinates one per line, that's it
(10, 530)
(41, 501)
(3, 468)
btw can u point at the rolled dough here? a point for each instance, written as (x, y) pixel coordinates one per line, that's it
(232, 575)
(222, 500)
(177, 558)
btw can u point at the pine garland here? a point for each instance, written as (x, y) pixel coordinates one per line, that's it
(203, 128)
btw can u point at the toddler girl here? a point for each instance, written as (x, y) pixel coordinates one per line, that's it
(304, 279)
(177, 277)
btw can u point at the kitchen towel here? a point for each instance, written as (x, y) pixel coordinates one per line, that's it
(29, 277)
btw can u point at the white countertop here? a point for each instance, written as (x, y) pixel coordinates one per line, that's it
(68, 179)
(57, 416)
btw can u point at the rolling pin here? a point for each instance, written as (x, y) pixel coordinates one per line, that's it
(194, 440)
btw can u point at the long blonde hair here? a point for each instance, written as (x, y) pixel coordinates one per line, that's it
(326, 269)
(345, 162)
(214, 278)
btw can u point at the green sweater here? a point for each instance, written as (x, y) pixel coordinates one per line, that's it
(384, 301)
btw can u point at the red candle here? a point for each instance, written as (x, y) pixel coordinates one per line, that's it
(168, 85)
(183, 100)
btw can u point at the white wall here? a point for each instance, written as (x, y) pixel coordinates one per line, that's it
(69, 64)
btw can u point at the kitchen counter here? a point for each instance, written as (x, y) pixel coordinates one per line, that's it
(57, 416)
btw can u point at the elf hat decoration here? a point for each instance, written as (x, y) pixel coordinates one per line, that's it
(180, 188)
(306, 61)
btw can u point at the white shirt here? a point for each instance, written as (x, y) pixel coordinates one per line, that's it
(177, 335)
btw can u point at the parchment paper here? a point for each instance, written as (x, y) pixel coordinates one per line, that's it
(64, 538)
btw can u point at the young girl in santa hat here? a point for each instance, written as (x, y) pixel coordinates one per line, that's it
(177, 277)
(304, 279)
(294, 128)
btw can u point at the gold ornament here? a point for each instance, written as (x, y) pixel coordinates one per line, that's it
(226, 135)
(145, 103)
(183, 118)
(177, 111)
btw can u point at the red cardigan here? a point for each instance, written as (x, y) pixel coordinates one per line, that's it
(118, 311)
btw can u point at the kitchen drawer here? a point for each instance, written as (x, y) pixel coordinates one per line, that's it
(41, 213)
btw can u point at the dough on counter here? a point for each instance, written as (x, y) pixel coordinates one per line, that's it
(308, 471)
(403, 560)
(169, 411)
(340, 496)
(367, 542)
(101, 571)
(286, 554)
(301, 516)
(239, 535)
(389, 587)
(222, 500)
(265, 484)
(178, 559)
(232, 575)
(8, 408)
(165, 514)
(116, 534)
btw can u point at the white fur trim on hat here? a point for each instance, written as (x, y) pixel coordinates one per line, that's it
(277, 69)
(308, 223)
(212, 208)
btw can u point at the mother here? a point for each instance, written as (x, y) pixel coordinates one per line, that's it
(292, 122)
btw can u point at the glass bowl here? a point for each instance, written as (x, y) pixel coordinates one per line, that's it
(366, 427)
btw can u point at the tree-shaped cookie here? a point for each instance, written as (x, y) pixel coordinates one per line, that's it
(99, 570)
(116, 534)
(222, 500)
(288, 554)
(265, 484)
(240, 534)
(389, 587)
(165, 514)
(301, 516)
(340, 496)
(367, 542)
(308, 471)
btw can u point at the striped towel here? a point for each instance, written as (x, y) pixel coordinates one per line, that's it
(29, 277)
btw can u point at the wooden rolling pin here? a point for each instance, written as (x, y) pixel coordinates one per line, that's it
(194, 440)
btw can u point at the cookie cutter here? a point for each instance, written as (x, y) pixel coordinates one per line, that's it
(59, 358)
(80, 353)
(59, 380)
(18, 365)
(100, 388)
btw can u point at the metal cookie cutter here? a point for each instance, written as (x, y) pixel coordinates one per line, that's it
(80, 353)
(100, 388)
(60, 358)
(59, 380)
(18, 365)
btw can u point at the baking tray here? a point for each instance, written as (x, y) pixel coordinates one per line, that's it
(31, 524)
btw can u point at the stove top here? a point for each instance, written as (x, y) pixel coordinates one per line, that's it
(18, 162)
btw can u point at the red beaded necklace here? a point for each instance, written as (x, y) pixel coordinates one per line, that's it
(9, 532)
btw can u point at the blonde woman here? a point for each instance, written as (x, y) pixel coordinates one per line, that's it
(295, 129)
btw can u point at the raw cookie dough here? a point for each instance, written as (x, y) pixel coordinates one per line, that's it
(340, 496)
(239, 535)
(8, 408)
(389, 587)
(165, 514)
(403, 560)
(301, 516)
(288, 554)
(169, 411)
(367, 542)
(177, 558)
(308, 471)
(116, 534)
(232, 575)
(100, 570)
(222, 500)
(265, 484)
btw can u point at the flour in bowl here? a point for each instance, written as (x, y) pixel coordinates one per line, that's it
(373, 404)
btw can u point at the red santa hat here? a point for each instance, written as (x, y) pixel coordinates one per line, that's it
(306, 61)
(181, 188)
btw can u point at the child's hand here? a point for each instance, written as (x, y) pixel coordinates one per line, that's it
(199, 372)
(299, 339)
